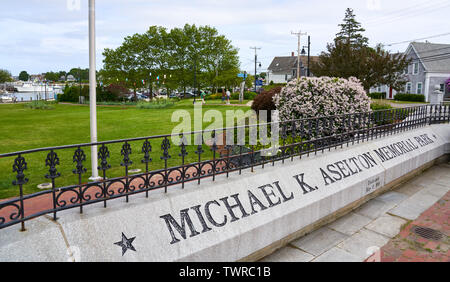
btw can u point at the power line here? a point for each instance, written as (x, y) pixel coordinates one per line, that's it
(428, 37)
(422, 11)
(401, 11)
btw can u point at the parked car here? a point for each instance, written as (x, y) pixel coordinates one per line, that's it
(185, 95)
(138, 96)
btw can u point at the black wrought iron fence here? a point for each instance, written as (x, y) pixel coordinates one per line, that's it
(208, 158)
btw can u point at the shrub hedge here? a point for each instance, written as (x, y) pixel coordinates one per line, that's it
(409, 97)
(264, 101)
(377, 95)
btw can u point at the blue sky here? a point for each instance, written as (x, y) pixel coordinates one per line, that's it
(52, 35)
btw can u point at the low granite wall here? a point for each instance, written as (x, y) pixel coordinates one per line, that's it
(243, 217)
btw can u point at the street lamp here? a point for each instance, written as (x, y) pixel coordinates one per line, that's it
(195, 77)
(304, 53)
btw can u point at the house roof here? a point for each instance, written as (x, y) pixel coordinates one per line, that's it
(287, 63)
(435, 57)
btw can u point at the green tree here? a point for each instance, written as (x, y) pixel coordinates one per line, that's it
(350, 55)
(5, 76)
(79, 72)
(173, 56)
(52, 76)
(24, 76)
(351, 30)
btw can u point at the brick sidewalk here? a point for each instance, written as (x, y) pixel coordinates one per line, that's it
(433, 245)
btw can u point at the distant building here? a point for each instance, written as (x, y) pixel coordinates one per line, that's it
(37, 77)
(283, 69)
(430, 66)
(70, 78)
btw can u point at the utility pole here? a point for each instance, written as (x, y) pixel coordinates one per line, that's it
(256, 61)
(298, 34)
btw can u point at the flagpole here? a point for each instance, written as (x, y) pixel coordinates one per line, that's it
(92, 90)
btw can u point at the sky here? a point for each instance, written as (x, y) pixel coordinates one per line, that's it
(52, 35)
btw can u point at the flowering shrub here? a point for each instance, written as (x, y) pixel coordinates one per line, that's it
(323, 96)
(447, 83)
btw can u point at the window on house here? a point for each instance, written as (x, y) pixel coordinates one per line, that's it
(405, 71)
(285, 77)
(419, 88)
(408, 88)
(416, 68)
(442, 87)
(379, 89)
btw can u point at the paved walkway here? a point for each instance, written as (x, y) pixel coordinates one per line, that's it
(390, 222)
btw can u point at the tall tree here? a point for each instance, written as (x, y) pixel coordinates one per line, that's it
(351, 31)
(24, 76)
(350, 55)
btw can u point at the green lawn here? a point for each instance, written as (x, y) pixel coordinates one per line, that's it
(398, 102)
(24, 129)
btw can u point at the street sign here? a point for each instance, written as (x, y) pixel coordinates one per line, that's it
(242, 75)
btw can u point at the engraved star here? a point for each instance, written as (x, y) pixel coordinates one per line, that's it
(126, 244)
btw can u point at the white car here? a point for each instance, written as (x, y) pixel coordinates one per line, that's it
(160, 96)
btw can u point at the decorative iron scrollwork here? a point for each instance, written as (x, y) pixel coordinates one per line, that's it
(52, 161)
(146, 149)
(165, 146)
(126, 152)
(182, 145)
(79, 157)
(103, 154)
(19, 166)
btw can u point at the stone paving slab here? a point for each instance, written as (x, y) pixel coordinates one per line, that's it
(387, 225)
(415, 205)
(437, 190)
(392, 197)
(409, 189)
(360, 243)
(350, 223)
(337, 255)
(288, 254)
(374, 208)
(319, 241)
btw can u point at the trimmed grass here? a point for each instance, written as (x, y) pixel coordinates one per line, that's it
(23, 129)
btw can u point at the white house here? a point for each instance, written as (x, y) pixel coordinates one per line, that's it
(283, 69)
